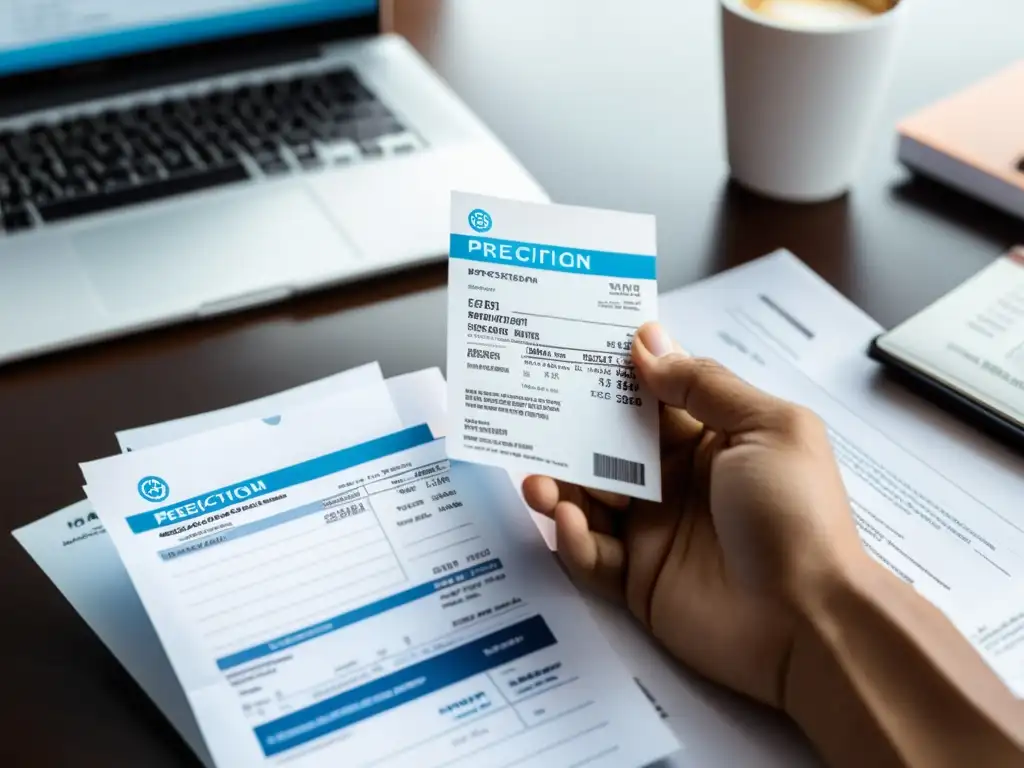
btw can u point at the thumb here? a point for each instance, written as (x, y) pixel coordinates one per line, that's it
(706, 390)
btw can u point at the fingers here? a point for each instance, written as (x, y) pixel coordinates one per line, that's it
(596, 561)
(679, 430)
(611, 500)
(542, 494)
(704, 389)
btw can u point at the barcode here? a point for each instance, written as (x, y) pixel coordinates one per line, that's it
(612, 468)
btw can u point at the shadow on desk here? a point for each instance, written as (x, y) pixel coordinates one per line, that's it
(963, 211)
(748, 226)
(182, 338)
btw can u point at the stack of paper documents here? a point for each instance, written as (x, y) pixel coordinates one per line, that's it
(329, 588)
(308, 579)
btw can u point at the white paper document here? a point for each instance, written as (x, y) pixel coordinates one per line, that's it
(811, 328)
(543, 301)
(74, 550)
(364, 604)
(157, 434)
(936, 502)
(784, 329)
(996, 628)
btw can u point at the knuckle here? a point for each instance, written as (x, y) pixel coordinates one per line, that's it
(692, 376)
(704, 369)
(706, 365)
(802, 423)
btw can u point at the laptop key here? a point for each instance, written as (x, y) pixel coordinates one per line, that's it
(173, 160)
(303, 151)
(147, 170)
(371, 149)
(74, 188)
(122, 197)
(275, 167)
(118, 176)
(207, 154)
(297, 136)
(265, 155)
(43, 197)
(16, 219)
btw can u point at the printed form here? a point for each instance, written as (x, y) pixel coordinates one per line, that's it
(780, 326)
(74, 550)
(996, 628)
(543, 302)
(365, 605)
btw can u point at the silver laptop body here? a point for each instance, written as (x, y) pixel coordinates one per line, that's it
(189, 180)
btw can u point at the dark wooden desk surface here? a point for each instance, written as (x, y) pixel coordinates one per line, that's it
(608, 104)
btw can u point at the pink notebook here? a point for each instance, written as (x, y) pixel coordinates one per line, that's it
(974, 140)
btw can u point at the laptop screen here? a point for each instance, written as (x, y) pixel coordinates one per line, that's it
(41, 34)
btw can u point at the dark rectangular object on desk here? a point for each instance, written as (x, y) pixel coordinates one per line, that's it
(977, 415)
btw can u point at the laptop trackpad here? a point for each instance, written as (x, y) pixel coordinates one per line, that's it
(209, 249)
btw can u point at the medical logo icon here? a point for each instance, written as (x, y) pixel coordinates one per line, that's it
(153, 489)
(480, 220)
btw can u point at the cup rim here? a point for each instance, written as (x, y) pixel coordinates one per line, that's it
(740, 8)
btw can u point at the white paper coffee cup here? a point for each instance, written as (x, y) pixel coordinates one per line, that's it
(801, 102)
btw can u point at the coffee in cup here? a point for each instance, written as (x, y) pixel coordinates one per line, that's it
(819, 13)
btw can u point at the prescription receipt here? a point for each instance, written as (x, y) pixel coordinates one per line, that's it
(543, 304)
(376, 605)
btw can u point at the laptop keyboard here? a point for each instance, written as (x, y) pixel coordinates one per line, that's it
(52, 172)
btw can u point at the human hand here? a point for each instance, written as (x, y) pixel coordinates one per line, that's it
(754, 513)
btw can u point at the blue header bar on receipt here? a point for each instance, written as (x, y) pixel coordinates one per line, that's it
(253, 488)
(554, 258)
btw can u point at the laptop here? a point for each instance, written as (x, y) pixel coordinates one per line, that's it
(161, 162)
